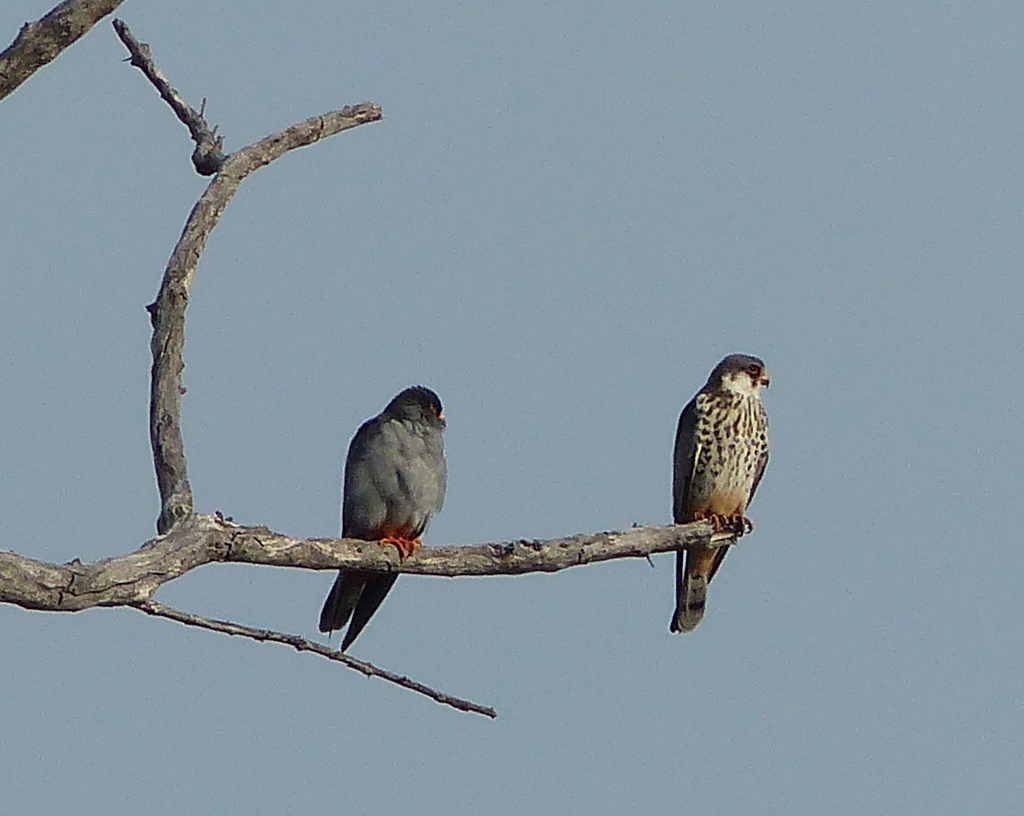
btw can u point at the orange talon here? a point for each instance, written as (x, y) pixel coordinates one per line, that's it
(718, 521)
(405, 546)
(737, 523)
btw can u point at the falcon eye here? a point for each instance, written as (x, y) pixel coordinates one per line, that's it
(755, 370)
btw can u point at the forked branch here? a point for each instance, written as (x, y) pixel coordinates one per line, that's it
(207, 157)
(167, 312)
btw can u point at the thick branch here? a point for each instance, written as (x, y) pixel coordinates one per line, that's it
(40, 42)
(128, 579)
(207, 157)
(303, 645)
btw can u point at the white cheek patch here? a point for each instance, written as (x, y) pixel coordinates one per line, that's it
(740, 382)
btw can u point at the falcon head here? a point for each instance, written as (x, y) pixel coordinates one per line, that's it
(417, 404)
(740, 373)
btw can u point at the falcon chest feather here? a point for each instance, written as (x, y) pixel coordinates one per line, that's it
(732, 439)
(421, 473)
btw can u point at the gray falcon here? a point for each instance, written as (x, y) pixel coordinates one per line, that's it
(720, 455)
(395, 478)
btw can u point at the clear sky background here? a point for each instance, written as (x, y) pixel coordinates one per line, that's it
(569, 214)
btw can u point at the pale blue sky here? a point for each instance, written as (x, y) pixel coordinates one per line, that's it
(570, 212)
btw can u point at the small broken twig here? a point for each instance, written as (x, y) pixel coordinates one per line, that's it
(208, 157)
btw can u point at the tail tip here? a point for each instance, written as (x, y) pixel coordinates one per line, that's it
(686, 618)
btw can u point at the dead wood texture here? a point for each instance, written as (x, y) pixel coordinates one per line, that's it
(42, 41)
(167, 313)
(126, 580)
(208, 157)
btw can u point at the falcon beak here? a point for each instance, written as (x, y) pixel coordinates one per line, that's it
(765, 381)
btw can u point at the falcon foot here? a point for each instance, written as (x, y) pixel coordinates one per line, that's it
(737, 524)
(405, 546)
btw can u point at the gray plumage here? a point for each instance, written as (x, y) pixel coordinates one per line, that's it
(395, 479)
(721, 452)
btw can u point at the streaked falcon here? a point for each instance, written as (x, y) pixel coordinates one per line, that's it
(720, 455)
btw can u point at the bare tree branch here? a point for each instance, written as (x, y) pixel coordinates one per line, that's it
(131, 579)
(128, 579)
(303, 645)
(40, 42)
(207, 157)
(167, 312)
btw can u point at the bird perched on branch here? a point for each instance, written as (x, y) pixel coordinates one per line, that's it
(395, 478)
(720, 455)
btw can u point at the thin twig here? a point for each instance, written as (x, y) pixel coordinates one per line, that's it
(208, 157)
(160, 610)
